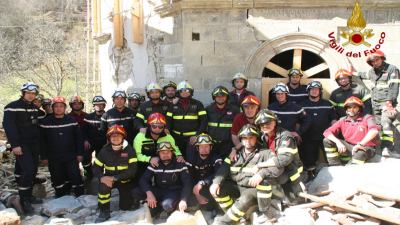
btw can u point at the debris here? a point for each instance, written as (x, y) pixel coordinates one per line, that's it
(9, 217)
(197, 219)
(297, 216)
(88, 201)
(59, 221)
(34, 220)
(346, 206)
(61, 206)
(382, 192)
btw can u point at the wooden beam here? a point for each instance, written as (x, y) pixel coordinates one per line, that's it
(138, 22)
(297, 55)
(277, 69)
(378, 193)
(316, 69)
(118, 24)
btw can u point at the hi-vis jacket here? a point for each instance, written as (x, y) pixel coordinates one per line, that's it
(243, 168)
(190, 122)
(286, 154)
(120, 164)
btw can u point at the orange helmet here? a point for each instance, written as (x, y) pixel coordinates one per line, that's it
(353, 101)
(156, 118)
(251, 99)
(372, 55)
(342, 72)
(116, 129)
(59, 99)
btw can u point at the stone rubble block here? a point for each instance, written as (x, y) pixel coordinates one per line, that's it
(9, 217)
(34, 220)
(61, 206)
(59, 221)
(88, 201)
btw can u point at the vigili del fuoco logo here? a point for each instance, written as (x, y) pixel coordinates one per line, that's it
(355, 34)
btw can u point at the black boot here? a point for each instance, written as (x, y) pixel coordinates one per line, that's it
(103, 216)
(39, 180)
(27, 207)
(35, 200)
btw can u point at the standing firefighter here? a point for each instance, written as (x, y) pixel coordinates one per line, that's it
(20, 124)
(77, 105)
(186, 119)
(346, 89)
(220, 115)
(115, 167)
(250, 189)
(93, 134)
(154, 104)
(297, 91)
(239, 92)
(166, 186)
(134, 100)
(62, 149)
(121, 115)
(169, 91)
(385, 79)
(359, 133)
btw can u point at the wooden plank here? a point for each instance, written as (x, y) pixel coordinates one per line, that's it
(137, 22)
(277, 69)
(297, 55)
(243, 4)
(380, 193)
(351, 208)
(316, 69)
(118, 23)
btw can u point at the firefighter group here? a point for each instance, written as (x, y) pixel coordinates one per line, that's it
(173, 153)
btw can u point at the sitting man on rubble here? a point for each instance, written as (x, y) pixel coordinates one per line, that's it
(236, 180)
(202, 167)
(360, 133)
(166, 186)
(115, 167)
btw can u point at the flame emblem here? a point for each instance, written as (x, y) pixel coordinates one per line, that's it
(355, 32)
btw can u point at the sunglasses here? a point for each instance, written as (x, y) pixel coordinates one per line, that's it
(154, 126)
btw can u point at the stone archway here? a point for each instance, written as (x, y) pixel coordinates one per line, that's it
(297, 41)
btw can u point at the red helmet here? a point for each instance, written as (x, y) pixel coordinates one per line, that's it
(372, 55)
(251, 99)
(342, 72)
(59, 99)
(353, 101)
(116, 129)
(156, 118)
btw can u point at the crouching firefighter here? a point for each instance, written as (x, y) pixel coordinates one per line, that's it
(250, 189)
(115, 167)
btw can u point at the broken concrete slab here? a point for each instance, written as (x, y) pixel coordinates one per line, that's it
(10, 217)
(61, 206)
(59, 221)
(296, 216)
(341, 179)
(88, 201)
(34, 220)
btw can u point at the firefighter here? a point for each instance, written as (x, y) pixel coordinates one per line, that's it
(385, 79)
(203, 167)
(171, 183)
(77, 105)
(121, 115)
(134, 100)
(186, 119)
(169, 91)
(250, 107)
(346, 89)
(46, 104)
(284, 148)
(20, 124)
(322, 115)
(154, 104)
(359, 132)
(297, 91)
(290, 115)
(38, 102)
(239, 92)
(62, 149)
(115, 167)
(236, 180)
(220, 115)
(93, 134)
(145, 143)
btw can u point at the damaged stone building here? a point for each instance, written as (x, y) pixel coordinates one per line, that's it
(207, 42)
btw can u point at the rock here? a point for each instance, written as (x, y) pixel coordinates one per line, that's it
(142, 215)
(177, 215)
(294, 216)
(340, 179)
(2, 206)
(59, 221)
(61, 206)
(88, 201)
(9, 217)
(39, 191)
(80, 216)
(34, 220)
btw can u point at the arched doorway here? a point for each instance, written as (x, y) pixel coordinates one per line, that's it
(312, 54)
